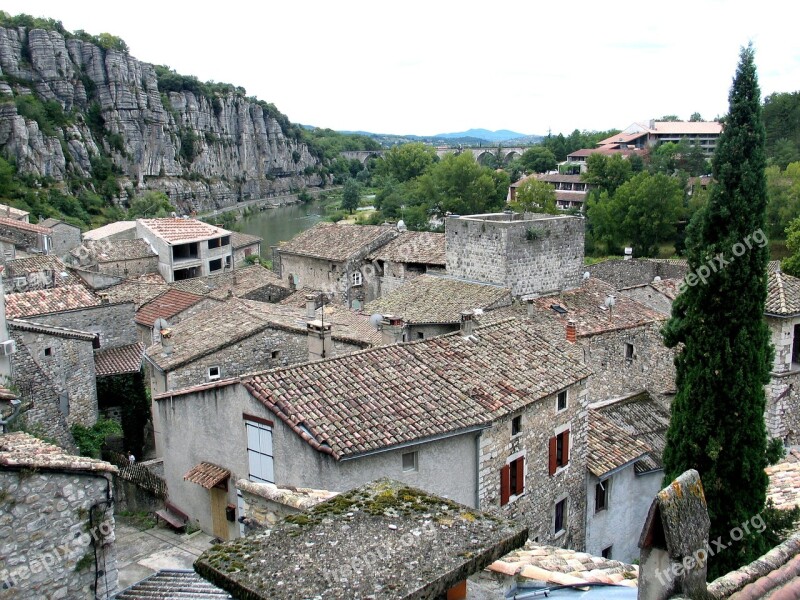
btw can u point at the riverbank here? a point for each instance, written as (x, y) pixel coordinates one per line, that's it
(269, 203)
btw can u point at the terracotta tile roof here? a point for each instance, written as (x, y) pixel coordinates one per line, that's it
(50, 330)
(687, 127)
(610, 447)
(570, 196)
(174, 230)
(299, 498)
(622, 138)
(668, 287)
(207, 475)
(123, 359)
(385, 396)
(41, 263)
(115, 250)
(432, 299)
(171, 584)
(139, 290)
(783, 294)
(51, 222)
(241, 240)
(109, 230)
(606, 150)
(563, 566)
(297, 298)
(40, 302)
(784, 481)
(426, 544)
(586, 306)
(12, 212)
(419, 247)
(241, 281)
(23, 226)
(165, 306)
(643, 419)
(21, 450)
(336, 242)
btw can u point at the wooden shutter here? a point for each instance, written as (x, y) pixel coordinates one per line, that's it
(520, 466)
(552, 465)
(566, 447)
(505, 485)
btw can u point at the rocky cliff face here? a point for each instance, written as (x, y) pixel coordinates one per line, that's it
(205, 152)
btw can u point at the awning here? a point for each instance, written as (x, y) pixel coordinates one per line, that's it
(206, 474)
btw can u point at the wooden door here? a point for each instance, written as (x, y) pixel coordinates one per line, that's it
(219, 524)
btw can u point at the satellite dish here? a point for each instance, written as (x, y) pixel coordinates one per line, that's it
(401, 225)
(657, 278)
(611, 300)
(586, 275)
(375, 320)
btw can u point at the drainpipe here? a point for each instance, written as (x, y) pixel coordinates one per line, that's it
(478, 470)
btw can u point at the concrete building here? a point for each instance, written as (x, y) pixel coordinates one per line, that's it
(528, 253)
(187, 248)
(27, 236)
(58, 541)
(329, 257)
(244, 245)
(65, 236)
(503, 427)
(430, 305)
(410, 254)
(570, 189)
(121, 258)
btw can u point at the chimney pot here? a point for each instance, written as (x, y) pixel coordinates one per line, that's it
(572, 332)
(530, 307)
(311, 306)
(466, 323)
(392, 328)
(320, 343)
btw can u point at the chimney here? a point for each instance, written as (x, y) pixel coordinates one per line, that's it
(391, 330)
(166, 341)
(531, 307)
(572, 332)
(311, 306)
(320, 343)
(466, 323)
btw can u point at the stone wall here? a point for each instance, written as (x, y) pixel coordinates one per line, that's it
(129, 268)
(626, 273)
(530, 254)
(65, 237)
(650, 297)
(114, 322)
(536, 507)
(54, 529)
(783, 407)
(265, 504)
(68, 364)
(22, 238)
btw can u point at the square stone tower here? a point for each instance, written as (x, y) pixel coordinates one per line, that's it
(530, 253)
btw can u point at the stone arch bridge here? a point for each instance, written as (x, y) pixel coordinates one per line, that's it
(482, 154)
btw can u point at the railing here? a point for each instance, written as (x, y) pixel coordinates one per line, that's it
(139, 475)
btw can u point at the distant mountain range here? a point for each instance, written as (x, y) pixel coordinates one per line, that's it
(471, 137)
(501, 135)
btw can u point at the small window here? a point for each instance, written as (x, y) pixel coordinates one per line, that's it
(48, 352)
(215, 265)
(601, 495)
(357, 278)
(560, 520)
(228, 261)
(512, 480)
(559, 451)
(213, 243)
(606, 552)
(213, 373)
(275, 354)
(629, 352)
(409, 461)
(225, 240)
(561, 402)
(516, 425)
(420, 335)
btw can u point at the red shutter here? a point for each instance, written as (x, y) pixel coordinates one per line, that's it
(552, 465)
(520, 465)
(505, 485)
(566, 447)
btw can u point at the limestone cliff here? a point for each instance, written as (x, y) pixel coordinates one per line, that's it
(205, 151)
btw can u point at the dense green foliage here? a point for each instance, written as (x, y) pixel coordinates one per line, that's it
(129, 392)
(90, 440)
(782, 123)
(724, 352)
(535, 196)
(538, 159)
(561, 146)
(151, 205)
(351, 195)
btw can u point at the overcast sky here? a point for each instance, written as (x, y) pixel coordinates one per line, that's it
(439, 66)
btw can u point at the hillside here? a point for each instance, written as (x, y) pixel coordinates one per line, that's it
(80, 113)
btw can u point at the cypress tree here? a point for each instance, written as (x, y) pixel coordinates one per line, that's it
(717, 424)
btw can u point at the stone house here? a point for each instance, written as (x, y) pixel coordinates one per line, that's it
(529, 253)
(430, 305)
(410, 254)
(252, 282)
(171, 306)
(10, 212)
(37, 272)
(119, 230)
(187, 247)
(65, 236)
(502, 428)
(330, 257)
(58, 522)
(27, 236)
(122, 258)
(138, 290)
(624, 471)
(244, 245)
(637, 271)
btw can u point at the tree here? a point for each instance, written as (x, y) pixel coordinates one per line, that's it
(791, 264)
(535, 196)
(150, 205)
(669, 118)
(351, 196)
(717, 424)
(783, 198)
(538, 159)
(607, 173)
(407, 161)
(695, 117)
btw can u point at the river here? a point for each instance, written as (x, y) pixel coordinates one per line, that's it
(281, 224)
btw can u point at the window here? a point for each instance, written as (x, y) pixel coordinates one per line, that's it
(247, 252)
(516, 425)
(357, 278)
(512, 480)
(213, 373)
(561, 402)
(420, 335)
(259, 451)
(601, 495)
(559, 451)
(48, 352)
(409, 461)
(225, 240)
(560, 520)
(629, 352)
(215, 265)
(275, 354)
(228, 261)
(606, 552)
